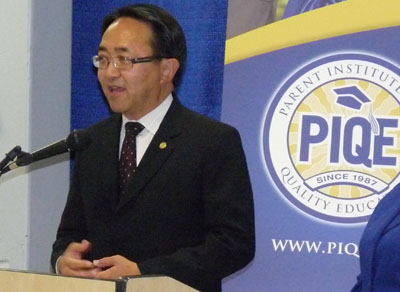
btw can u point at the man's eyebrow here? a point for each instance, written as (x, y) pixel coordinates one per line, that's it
(122, 49)
(119, 49)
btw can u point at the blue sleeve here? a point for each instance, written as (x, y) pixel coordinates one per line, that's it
(358, 286)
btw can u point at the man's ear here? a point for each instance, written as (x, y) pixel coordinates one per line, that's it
(168, 69)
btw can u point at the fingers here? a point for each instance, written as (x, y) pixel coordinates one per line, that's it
(69, 266)
(109, 274)
(83, 273)
(72, 263)
(76, 264)
(107, 262)
(109, 266)
(115, 267)
(78, 249)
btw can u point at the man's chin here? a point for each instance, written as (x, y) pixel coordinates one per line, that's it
(116, 110)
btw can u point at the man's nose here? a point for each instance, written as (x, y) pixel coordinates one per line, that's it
(111, 70)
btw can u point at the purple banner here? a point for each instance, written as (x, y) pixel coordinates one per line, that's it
(320, 127)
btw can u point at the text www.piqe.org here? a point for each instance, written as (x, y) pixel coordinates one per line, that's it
(317, 247)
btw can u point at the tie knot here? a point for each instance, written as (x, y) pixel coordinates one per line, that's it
(133, 128)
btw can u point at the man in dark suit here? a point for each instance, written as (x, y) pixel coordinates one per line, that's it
(186, 210)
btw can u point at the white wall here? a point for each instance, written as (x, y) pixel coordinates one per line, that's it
(35, 50)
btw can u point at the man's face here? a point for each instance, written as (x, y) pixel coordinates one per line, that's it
(133, 92)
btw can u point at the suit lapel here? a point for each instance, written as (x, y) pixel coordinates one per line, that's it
(109, 149)
(160, 148)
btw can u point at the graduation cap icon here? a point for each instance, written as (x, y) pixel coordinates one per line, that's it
(351, 97)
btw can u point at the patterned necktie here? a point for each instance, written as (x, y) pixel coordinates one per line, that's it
(127, 161)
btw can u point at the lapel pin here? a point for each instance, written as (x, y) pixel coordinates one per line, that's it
(163, 145)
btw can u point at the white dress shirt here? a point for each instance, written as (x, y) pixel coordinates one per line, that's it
(151, 123)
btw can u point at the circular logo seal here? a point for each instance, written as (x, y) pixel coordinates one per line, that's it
(331, 136)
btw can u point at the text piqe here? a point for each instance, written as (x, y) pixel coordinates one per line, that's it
(350, 139)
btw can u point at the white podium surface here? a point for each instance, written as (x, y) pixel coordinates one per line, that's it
(24, 281)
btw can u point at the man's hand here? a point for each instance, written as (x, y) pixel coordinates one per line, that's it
(115, 267)
(71, 263)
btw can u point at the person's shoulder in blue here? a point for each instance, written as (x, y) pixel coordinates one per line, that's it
(380, 248)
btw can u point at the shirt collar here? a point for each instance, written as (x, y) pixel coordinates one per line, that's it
(153, 119)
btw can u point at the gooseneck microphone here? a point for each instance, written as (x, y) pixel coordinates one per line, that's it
(10, 156)
(75, 141)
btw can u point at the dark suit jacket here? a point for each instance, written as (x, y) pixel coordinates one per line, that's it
(377, 273)
(188, 213)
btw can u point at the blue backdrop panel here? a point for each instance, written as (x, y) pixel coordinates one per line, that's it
(204, 23)
(309, 210)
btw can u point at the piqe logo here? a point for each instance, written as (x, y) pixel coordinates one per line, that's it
(331, 136)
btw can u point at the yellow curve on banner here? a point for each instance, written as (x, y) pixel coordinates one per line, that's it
(342, 18)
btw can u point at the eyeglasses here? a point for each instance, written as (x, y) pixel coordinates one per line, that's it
(121, 62)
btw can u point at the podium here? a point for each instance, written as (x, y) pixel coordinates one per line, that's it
(21, 281)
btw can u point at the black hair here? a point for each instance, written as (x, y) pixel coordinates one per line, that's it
(168, 37)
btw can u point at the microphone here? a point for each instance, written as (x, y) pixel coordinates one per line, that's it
(10, 156)
(75, 141)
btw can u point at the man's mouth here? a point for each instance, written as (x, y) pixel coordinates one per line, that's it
(116, 89)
